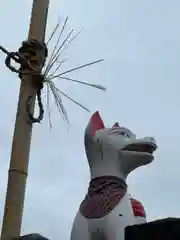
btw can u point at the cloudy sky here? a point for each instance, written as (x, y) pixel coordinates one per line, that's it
(140, 42)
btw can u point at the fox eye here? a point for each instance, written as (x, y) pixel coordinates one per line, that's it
(124, 134)
(120, 132)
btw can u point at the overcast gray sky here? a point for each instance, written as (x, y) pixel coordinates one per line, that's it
(140, 42)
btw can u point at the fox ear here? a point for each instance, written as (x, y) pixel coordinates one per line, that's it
(116, 125)
(95, 123)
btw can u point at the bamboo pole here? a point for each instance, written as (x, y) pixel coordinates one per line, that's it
(18, 169)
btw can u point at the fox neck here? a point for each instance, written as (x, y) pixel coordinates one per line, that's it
(107, 163)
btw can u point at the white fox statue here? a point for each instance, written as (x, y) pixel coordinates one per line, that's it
(112, 154)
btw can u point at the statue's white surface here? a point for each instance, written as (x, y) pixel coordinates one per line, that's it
(112, 154)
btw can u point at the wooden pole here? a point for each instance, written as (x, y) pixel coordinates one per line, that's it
(18, 169)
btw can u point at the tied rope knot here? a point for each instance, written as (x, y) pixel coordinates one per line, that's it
(31, 56)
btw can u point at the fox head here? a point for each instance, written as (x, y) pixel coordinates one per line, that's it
(133, 152)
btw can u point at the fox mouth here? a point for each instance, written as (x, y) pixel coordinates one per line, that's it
(141, 147)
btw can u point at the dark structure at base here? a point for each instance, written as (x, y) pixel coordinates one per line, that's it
(33, 236)
(163, 229)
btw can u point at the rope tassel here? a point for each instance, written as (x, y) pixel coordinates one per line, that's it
(32, 56)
